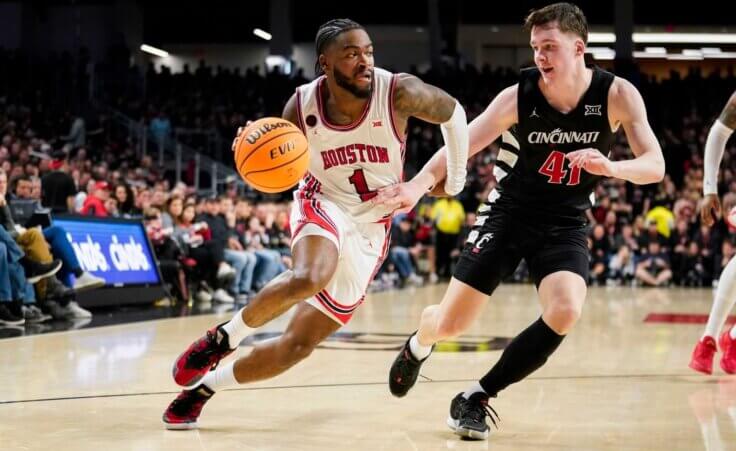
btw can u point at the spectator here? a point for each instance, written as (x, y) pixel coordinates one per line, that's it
(56, 238)
(449, 216)
(654, 268)
(126, 200)
(692, 271)
(400, 254)
(600, 250)
(622, 267)
(94, 204)
(210, 256)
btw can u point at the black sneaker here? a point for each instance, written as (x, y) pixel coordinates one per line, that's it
(7, 317)
(468, 416)
(404, 371)
(57, 290)
(36, 271)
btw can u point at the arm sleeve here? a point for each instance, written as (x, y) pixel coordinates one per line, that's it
(455, 134)
(714, 147)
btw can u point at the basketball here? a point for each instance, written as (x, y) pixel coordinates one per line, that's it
(272, 155)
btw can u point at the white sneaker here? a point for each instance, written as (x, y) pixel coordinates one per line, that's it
(75, 311)
(223, 296)
(88, 281)
(415, 280)
(433, 278)
(225, 271)
(203, 296)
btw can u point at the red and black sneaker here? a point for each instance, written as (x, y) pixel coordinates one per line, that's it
(202, 356)
(182, 413)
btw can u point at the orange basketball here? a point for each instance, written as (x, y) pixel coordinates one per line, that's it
(272, 154)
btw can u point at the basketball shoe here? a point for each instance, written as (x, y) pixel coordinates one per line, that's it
(702, 358)
(468, 416)
(202, 356)
(404, 371)
(183, 411)
(728, 359)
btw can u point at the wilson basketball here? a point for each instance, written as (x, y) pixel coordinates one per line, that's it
(272, 154)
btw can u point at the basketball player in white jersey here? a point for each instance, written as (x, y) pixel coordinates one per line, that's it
(702, 358)
(354, 117)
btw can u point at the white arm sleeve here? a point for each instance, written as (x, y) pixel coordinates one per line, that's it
(714, 146)
(455, 134)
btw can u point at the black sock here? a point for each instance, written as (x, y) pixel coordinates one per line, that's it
(78, 272)
(524, 355)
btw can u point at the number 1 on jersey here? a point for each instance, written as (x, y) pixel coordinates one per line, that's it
(361, 186)
(554, 168)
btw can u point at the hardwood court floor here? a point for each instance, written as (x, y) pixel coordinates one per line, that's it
(616, 383)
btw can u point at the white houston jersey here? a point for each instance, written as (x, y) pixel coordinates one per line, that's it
(349, 162)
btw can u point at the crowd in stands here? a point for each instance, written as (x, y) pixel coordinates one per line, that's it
(57, 151)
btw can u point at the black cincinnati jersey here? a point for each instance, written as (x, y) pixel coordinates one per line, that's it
(531, 169)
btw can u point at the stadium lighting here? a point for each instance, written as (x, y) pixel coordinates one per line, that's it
(684, 56)
(655, 50)
(685, 38)
(602, 53)
(601, 38)
(154, 51)
(711, 50)
(262, 34)
(720, 55)
(667, 38)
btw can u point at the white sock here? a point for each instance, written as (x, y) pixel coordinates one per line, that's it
(237, 330)
(417, 350)
(222, 377)
(475, 388)
(711, 435)
(723, 301)
(732, 414)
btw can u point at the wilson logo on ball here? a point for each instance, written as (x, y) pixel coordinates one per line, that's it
(264, 128)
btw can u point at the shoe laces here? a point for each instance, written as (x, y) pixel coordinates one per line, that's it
(188, 402)
(408, 364)
(476, 408)
(202, 356)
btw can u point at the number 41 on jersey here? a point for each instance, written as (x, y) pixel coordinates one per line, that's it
(554, 168)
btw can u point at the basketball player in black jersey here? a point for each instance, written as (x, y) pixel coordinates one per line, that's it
(557, 125)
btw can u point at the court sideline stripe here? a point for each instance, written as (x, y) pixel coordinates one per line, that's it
(348, 384)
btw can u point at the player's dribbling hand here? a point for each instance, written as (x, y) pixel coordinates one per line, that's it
(592, 160)
(400, 197)
(711, 209)
(237, 135)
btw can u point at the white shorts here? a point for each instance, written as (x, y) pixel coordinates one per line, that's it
(361, 248)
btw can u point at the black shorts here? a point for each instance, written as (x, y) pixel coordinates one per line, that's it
(500, 239)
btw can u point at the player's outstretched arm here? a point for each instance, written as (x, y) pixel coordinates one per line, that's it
(626, 107)
(714, 146)
(483, 130)
(413, 97)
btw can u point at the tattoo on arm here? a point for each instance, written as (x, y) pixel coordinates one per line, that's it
(413, 97)
(728, 115)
